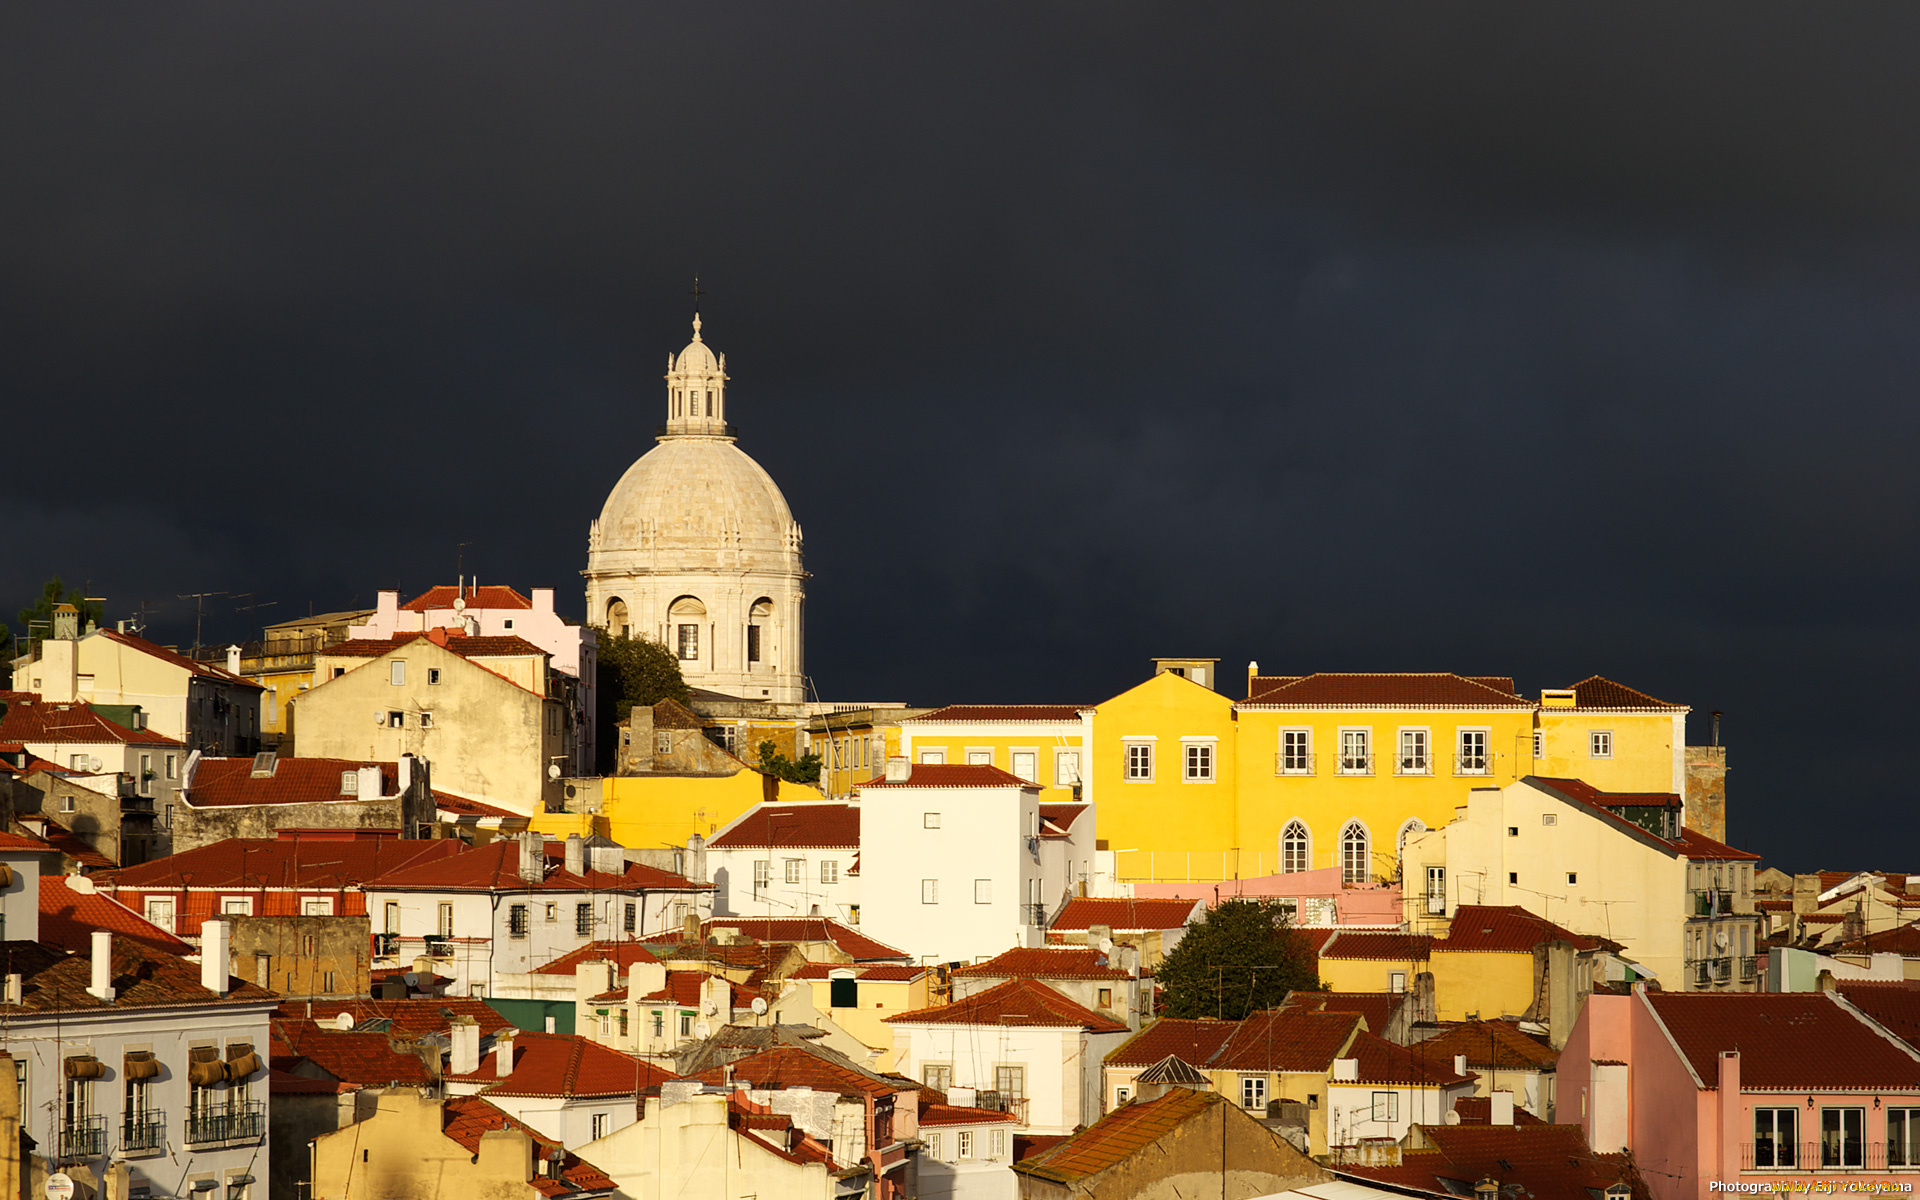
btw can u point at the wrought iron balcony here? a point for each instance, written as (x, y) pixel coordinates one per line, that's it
(1473, 764)
(82, 1137)
(231, 1122)
(143, 1131)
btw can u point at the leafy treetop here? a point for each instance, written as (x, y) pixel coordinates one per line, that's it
(1243, 957)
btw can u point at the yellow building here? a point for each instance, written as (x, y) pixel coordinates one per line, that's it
(1613, 737)
(854, 745)
(651, 811)
(1164, 778)
(1041, 743)
(1353, 960)
(282, 662)
(860, 997)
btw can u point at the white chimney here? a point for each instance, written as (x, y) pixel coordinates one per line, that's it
(549, 1024)
(1346, 1070)
(576, 855)
(214, 960)
(1459, 1064)
(102, 966)
(370, 783)
(233, 659)
(464, 1058)
(533, 857)
(899, 770)
(502, 1057)
(542, 600)
(1502, 1108)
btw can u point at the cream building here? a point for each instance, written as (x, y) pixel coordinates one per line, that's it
(696, 548)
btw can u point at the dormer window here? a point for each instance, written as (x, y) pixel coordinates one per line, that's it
(349, 783)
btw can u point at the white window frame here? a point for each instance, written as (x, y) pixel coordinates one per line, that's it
(933, 758)
(1473, 762)
(1386, 1107)
(929, 891)
(397, 672)
(1436, 891)
(980, 756)
(316, 906)
(160, 911)
(929, 820)
(1347, 872)
(1295, 755)
(983, 891)
(1066, 768)
(1137, 759)
(762, 876)
(793, 870)
(1253, 1093)
(1539, 744)
(1361, 736)
(1306, 847)
(829, 870)
(1417, 760)
(236, 906)
(1032, 755)
(1198, 757)
(1599, 743)
(963, 1144)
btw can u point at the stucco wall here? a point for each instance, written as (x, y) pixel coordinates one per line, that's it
(399, 1153)
(300, 953)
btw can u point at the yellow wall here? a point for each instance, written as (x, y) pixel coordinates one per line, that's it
(850, 757)
(400, 1151)
(1382, 801)
(1366, 974)
(1479, 985)
(1648, 749)
(1166, 815)
(999, 740)
(645, 811)
(276, 703)
(879, 999)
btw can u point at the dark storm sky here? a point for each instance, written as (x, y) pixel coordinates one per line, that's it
(1540, 340)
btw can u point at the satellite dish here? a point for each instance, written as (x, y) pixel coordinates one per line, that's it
(379, 718)
(701, 1029)
(1720, 940)
(1452, 1117)
(412, 978)
(343, 1021)
(1106, 945)
(759, 1006)
(553, 770)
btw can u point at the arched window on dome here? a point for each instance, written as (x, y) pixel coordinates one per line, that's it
(685, 616)
(1294, 848)
(619, 623)
(759, 619)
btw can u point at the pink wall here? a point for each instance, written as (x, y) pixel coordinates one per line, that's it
(1356, 904)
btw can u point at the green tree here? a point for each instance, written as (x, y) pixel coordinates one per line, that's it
(1243, 957)
(36, 620)
(805, 769)
(632, 671)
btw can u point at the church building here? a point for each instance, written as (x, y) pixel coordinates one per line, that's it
(696, 548)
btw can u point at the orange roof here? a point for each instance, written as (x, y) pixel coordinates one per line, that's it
(878, 972)
(69, 917)
(1893, 1003)
(509, 646)
(1117, 1136)
(951, 775)
(66, 841)
(622, 954)
(1015, 1002)
(496, 867)
(1130, 916)
(790, 1066)
(1478, 1110)
(465, 1119)
(1492, 1044)
(278, 862)
(141, 976)
(954, 1114)
(491, 596)
(814, 826)
(1544, 1162)
(565, 1064)
(975, 713)
(1408, 690)
(1379, 1008)
(410, 1018)
(1047, 962)
(1509, 929)
(1287, 1039)
(791, 931)
(1785, 1040)
(1599, 693)
(1192, 1041)
(72, 724)
(1383, 1063)
(1386, 946)
(220, 782)
(368, 1059)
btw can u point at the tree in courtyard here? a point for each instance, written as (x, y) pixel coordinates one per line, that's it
(805, 769)
(1243, 957)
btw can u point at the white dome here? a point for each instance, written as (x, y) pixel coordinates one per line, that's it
(694, 502)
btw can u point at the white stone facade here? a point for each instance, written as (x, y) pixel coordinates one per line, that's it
(696, 547)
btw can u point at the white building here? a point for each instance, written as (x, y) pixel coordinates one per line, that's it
(562, 1086)
(788, 860)
(957, 862)
(1377, 1090)
(696, 548)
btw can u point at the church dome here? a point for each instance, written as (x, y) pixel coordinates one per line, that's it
(698, 501)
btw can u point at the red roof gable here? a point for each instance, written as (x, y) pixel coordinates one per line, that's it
(1903, 940)
(1543, 1162)
(1130, 916)
(622, 954)
(1489, 1044)
(1378, 1008)
(1894, 1003)
(492, 596)
(1580, 789)
(1409, 690)
(1047, 962)
(1387, 946)
(496, 867)
(951, 775)
(1116, 1137)
(1383, 1063)
(1701, 848)
(1597, 692)
(70, 916)
(72, 724)
(683, 990)
(465, 1119)
(209, 671)
(1287, 1039)
(221, 782)
(363, 1058)
(975, 713)
(275, 862)
(814, 826)
(1015, 1002)
(564, 1064)
(66, 841)
(790, 1066)
(1785, 1040)
(141, 977)
(1194, 1042)
(1509, 929)
(509, 646)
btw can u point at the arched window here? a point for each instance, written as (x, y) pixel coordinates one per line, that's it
(1354, 853)
(686, 616)
(1294, 847)
(618, 622)
(1414, 825)
(758, 618)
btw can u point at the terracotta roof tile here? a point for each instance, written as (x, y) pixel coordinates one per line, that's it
(1047, 962)
(508, 646)
(1383, 1063)
(72, 724)
(70, 916)
(402, 1018)
(1478, 1110)
(70, 844)
(876, 972)
(562, 1064)
(459, 806)
(173, 657)
(1701, 848)
(20, 841)
(1903, 940)
(952, 1114)
(1192, 1041)
(142, 977)
(794, 931)
(950, 775)
(1509, 929)
(465, 1119)
(790, 1066)
(814, 826)
(1116, 1137)
(1598, 692)
(683, 991)
(496, 867)
(1580, 789)
(1895, 1004)
(220, 782)
(977, 713)
(1084, 912)
(490, 596)
(1489, 1044)
(1287, 1039)
(1015, 1002)
(1410, 690)
(280, 862)
(1791, 1040)
(622, 954)
(1349, 944)
(1544, 1162)
(368, 1059)
(1379, 1008)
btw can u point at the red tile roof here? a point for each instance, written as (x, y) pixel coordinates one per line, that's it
(1790, 1040)
(796, 930)
(951, 775)
(1383, 1063)
(623, 954)
(70, 844)
(683, 991)
(459, 806)
(490, 596)
(209, 671)
(1543, 1162)
(1411, 690)
(408, 1018)
(1599, 693)
(1015, 1002)
(1580, 789)
(220, 782)
(363, 1058)
(1508, 929)
(1903, 940)
(70, 916)
(496, 867)
(976, 713)
(1379, 1008)
(1116, 1137)
(877, 972)
(1047, 962)
(1192, 1041)
(564, 1064)
(1894, 1003)
(1084, 912)
(1701, 848)
(1389, 946)
(465, 1119)
(790, 1066)
(72, 724)
(273, 862)
(509, 646)
(1478, 1110)
(953, 1114)
(1286, 1039)
(815, 826)
(142, 977)
(1489, 1044)
(21, 841)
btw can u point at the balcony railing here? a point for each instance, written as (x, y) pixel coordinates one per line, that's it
(1836, 1154)
(1002, 1102)
(82, 1137)
(1356, 764)
(386, 945)
(242, 1119)
(1292, 763)
(438, 947)
(1713, 904)
(1475, 764)
(144, 1131)
(1414, 764)
(1034, 914)
(1749, 969)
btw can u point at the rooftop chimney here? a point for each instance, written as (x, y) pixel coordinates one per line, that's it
(899, 769)
(214, 964)
(1502, 1108)
(502, 1056)
(1346, 1070)
(533, 857)
(1459, 1064)
(98, 988)
(233, 659)
(576, 855)
(464, 1058)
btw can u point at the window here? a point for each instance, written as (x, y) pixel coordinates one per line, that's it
(1106, 997)
(1354, 853)
(1903, 1137)
(632, 916)
(326, 981)
(1396, 982)
(689, 643)
(391, 916)
(602, 1125)
(1776, 1137)
(517, 923)
(1295, 758)
(583, 918)
(1573, 878)
(236, 906)
(1253, 1091)
(983, 891)
(1549, 818)
(933, 757)
(998, 1139)
(1513, 831)
(339, 671)
(795, 869)
(399, 668)
(1026, 764)
(1474, 759)
(349, 783)
(1010, 1082)
(146, 774)
(829, 870)
(1539, 743)
(1436, 890)
(1600, 745)
(1199, 757)
(553, 912)
(396, 720)
(173, 766)
(1293, 848)
(1066, 768)
(929, 891)
(762, 875)
(317, 906)
(1386, 1106)
(1356, 757)
(1121, 1095)
(160, 912)
(426, 720)
(1413, 752)
(686, 1024)
(76, 762)
(963, 1140)
(446, 920)
(933, 1144)
(1139, 762)
(929, 820)
(1513, 878)
(938, 1076)
(68, 804)
(433, 676)
(1843, 1137)
(979, 758)
(753, 643)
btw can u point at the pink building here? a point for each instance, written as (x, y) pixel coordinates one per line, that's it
(1319, 898)
(1744, 1090)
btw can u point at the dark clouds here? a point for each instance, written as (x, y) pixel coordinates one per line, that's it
(1484, 338)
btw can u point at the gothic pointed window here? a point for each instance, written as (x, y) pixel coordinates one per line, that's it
(1354, 853)
(1293, 848)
